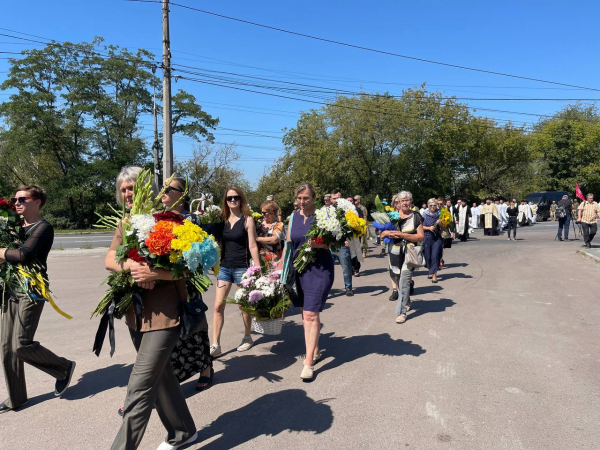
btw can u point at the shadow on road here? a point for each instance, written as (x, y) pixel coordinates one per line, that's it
(427, 289)
(421, 307)
(36, 400)
(452, 265)
(288, 411)
(373, 271)
(96, 381)
(448, 276)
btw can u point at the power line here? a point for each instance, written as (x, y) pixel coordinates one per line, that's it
(373, 50)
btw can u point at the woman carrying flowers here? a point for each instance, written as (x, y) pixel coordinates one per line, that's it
(154, 334)
(20, 313)
(433, 243)
(192, 353)
(409, 232)
(270, 233)
(315, 280)
(238, 244)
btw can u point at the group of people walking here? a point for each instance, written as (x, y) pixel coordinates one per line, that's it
(156, 336)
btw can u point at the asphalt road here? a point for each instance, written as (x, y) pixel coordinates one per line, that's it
(84, 241)
(502, 353)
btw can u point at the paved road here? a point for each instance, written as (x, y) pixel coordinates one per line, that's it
(501, 354)
(90, 240)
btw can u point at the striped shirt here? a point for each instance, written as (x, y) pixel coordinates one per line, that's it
(590, 212)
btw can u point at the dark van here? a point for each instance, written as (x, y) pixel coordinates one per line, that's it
(543, 200)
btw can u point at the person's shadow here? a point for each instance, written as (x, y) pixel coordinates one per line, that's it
(420, 307)
(96, 381)
(290, 410)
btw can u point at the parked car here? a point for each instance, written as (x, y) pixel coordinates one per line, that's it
(543, 200)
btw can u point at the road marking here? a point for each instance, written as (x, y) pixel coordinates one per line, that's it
(513, 390)
(542, 303)
(434, 414)
(432, 333)
(446, 370)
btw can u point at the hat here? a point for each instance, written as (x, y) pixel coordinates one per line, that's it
(565, 196)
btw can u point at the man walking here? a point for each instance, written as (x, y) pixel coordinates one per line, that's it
(563, 213)
(587, 214)
(490, 215)
(343, 254)
(553, 207)
(463, 218)
(367, 235)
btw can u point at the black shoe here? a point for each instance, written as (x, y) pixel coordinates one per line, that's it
(412, 288)
(121, 411)
(62, 385)
(206, 381)
(560, 239)
(349, 293)
(394, 295)
(589, 245)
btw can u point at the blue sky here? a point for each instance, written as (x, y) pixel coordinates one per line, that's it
(553, 40)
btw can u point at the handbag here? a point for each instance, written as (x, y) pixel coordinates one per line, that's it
(413, 255)
(289, 275)
(192, 313)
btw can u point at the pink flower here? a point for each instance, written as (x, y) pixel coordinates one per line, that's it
(255, 296)
(247, 282)
(253, 270)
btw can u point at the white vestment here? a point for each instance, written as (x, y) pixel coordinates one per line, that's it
(533, 213)
(524, 214)
(475, 217)
(462, 226)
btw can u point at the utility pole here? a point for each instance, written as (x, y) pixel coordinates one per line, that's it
(166, 63)
(155, 145)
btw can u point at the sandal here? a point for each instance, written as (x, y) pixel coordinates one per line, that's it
(205, 381)
(215, 350)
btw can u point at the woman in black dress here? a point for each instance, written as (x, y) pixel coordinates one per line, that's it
(315, 282)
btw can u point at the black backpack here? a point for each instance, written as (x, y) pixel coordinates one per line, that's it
(561, 212)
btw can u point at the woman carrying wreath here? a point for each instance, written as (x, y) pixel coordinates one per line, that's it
(314, 284)
(152, 382)
(270, 234)
(21, 314)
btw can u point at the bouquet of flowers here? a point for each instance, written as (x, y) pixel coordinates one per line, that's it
(256, 216)
(162, 240)
(263, 297)
(25, 278)
(385, 218)
(211, 214)
(445, 217)
(333, 226)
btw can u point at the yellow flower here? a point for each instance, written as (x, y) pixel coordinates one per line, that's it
(388, 208)
(185, 234)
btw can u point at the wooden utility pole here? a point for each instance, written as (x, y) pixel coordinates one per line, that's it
(155, 145)
(167, 132)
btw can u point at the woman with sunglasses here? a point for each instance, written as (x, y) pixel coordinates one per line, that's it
(270, 233)
(238, 245)
(152, 382)
(433, 242)
(21, 314)
(410, 231)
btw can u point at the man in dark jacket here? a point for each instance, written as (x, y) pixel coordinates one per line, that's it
(563, 213)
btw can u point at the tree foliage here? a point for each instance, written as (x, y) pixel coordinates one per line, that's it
(73, 120)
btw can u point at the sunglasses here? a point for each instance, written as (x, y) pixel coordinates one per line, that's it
(233, 198)
(433, 206)
(16, 200)
(171, 188)
(266, 212)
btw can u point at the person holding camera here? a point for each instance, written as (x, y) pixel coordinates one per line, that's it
(587, 215)
(563, 213)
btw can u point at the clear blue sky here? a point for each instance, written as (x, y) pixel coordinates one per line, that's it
(554, 40)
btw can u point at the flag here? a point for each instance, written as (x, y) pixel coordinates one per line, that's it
(578, 192)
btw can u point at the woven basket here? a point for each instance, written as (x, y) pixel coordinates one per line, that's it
(272, 326)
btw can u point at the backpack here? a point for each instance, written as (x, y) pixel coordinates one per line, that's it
(561, 212)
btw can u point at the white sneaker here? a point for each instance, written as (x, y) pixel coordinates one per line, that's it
(215, 350)
(167, 446)
(246, 344)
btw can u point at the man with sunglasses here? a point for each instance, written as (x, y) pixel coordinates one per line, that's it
(21, 314)
(343, 254)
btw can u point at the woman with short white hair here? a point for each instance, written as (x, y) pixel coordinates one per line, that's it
(409, 231)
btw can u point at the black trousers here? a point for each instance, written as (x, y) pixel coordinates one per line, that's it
(512, 224)
(589, 231)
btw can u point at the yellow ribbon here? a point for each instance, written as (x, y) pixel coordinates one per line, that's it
(37, 281)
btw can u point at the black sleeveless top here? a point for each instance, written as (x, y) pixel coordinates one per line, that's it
(236, 254)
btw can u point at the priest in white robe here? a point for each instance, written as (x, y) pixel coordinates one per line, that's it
(525, 217)
(490, 216)
(474, 216)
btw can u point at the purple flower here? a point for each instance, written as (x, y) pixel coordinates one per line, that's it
(274, 276)
(247, 282)
(255, 296)
(254, 270)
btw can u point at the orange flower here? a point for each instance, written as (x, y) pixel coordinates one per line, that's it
(159, 241)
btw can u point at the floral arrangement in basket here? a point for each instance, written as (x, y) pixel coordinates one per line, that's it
(445, 217)
(163, 240)
(333, 226)
(25, 278)
(263, 297)
(210, 214)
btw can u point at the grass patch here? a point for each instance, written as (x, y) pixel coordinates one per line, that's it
(58, 247)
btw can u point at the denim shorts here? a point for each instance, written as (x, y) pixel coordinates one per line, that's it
(231, 275)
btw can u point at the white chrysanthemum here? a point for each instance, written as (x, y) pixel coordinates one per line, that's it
(239, 294)
(262, 282)
(212, 209)
(345, 205)
(268, 291)
(326, 218)
(142, 224)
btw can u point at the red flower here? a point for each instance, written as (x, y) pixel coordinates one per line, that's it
(134, 255)
(319, 240)
(169, 216)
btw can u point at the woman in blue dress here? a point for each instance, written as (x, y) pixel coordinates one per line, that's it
(315, 282)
